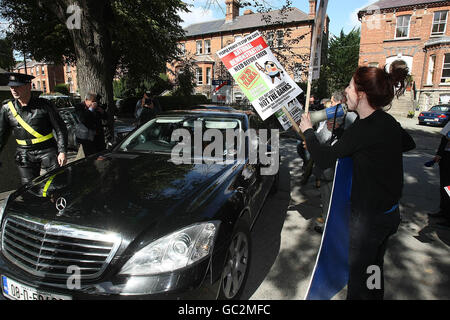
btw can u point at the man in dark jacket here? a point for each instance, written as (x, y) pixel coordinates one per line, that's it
(33, 121)
(91, 116)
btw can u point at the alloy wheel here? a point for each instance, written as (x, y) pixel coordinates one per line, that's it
(236, 266)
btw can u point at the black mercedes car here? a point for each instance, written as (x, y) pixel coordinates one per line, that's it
(132, 223)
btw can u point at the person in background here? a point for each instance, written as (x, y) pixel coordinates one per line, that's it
(314, 104)
(375, 142)
(331, 132)
(443, 158)
(147, 108)
(91, 116)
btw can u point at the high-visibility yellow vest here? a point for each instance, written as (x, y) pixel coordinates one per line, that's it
(39, 137)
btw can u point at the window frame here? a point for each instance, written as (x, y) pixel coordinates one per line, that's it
(208, 46)
(208, 75)
(444, 79)
(280, 37)
(440, 22)
(431, 72)
(270, 38)
(199, 75)
(199, 45)
(397, 26)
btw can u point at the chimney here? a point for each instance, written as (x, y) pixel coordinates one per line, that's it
(248, 12)
(312, 8)
(232, 10)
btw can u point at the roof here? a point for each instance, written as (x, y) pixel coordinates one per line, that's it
(437, 41)
(390, 4)
(249, 21)
(30, 64)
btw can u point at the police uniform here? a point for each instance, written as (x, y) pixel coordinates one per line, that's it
(39, 131)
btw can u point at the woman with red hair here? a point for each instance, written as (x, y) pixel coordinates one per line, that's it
(376, 143)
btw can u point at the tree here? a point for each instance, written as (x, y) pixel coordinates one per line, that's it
(104, 37)
(7, 61)
(343, 59)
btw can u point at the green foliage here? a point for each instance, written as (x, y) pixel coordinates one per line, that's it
(143, 33)
(63, 89)
(185, 82)
(343, 58)
(7, 61)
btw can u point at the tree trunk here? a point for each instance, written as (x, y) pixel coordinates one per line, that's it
(93, 50)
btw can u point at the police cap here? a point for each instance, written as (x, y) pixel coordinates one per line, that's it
(17, 79)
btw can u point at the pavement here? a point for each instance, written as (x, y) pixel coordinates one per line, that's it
(285, 245)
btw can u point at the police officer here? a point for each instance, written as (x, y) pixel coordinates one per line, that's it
(40, 132)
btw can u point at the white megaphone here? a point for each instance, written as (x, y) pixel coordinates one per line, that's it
(331, 113)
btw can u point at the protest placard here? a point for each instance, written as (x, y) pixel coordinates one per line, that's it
(259, 74)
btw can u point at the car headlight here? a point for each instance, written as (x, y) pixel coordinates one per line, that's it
(173, 252)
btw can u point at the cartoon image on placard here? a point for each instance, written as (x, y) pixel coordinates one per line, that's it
(271, 69)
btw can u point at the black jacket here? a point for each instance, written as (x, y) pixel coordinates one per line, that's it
(41, 115)
(375, 144)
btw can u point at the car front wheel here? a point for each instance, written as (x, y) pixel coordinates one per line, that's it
(235, 272)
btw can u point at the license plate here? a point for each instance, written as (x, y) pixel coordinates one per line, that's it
(17, 291)
(431, 120)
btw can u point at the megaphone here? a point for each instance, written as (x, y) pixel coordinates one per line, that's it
(331, 113)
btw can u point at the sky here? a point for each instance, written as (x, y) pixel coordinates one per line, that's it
(342, 13)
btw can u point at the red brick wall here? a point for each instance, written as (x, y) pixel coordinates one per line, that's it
(378, 42)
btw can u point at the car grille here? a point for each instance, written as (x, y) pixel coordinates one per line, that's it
(47, 249)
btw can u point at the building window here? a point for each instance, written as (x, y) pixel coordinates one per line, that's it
(208, 76)
(42, 70)
(182, 49)
(39, 85)
(446, 69)
(280, 38)
(33, 86)
(208, 46)
(199, 75)
(44, 86)
(37, 71)
(68, 68)
(431, 68)
(199, 47)
(439, 23)
(298, 72)
(402, 30)
(270, 37)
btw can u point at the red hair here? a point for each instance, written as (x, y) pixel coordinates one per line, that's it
(380, 86)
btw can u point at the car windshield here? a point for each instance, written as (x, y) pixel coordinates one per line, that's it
(156, 135)
(441, 108)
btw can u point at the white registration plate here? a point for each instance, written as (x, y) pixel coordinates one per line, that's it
(17, 291)
(431, 120)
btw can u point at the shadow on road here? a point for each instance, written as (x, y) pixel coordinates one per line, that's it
(417, 263)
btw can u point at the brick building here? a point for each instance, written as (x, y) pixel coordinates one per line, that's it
(47, 76)
(70, 77)
(281, 30)
(416, 33)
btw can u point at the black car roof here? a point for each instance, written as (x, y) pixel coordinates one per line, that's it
(215, 113)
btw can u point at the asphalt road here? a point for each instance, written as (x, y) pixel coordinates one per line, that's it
(285, 245)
